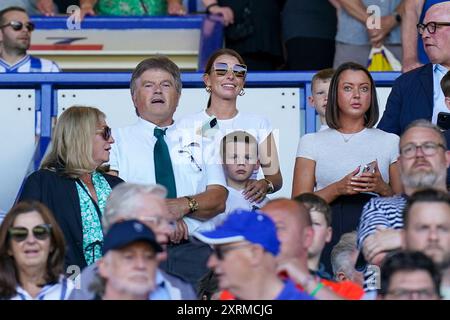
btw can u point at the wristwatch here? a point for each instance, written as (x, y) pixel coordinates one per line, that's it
(270, 188)
(192, 203)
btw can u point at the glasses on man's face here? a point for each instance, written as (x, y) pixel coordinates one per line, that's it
(221, 69)
(17, 25)
(105, 132)
(430, 26)
(421, 294)
(221, 251)
(428, 148)
(40, 232)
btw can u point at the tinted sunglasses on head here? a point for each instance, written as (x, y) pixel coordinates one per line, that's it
(105, 132)
(239, 70)
(40, 232)
(17, 25)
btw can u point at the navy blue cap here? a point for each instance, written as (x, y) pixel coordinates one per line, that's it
(126, 232)
(243, 225)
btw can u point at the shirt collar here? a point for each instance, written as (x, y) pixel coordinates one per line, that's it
(150, 126)
(439, 68)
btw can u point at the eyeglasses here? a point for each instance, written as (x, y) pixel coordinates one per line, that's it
(220, 251)
(40, 232)
(428, 148)
(239, 70)
(17, 25)
(404, 294)
(105, 132)
(430, 26)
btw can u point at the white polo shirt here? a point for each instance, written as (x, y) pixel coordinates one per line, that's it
(132, 156)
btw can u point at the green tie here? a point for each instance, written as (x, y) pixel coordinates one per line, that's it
(163, 164)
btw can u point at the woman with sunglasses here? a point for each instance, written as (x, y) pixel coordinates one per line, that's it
(72, 183)
(32, 255)
(224, 78)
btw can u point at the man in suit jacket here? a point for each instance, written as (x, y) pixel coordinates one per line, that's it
(417, 94)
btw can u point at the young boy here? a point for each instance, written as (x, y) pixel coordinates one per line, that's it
(320, 213)
(319, 88)
(239, 151)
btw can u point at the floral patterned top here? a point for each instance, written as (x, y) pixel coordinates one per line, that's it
(91, 224)
(131, 7)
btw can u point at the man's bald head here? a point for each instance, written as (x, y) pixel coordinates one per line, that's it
(294, 227)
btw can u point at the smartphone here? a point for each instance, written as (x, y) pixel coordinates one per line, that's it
(368, 167)
(443, 120)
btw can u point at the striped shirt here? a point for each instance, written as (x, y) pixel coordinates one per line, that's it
(29, 64)
(381, 211)
(56, 291)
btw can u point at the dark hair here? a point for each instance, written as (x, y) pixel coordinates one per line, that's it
(426, 195)
(408, 261)
(313, 202)
(332, 110)
(445, 84)
(9, 9)
(9, 277)
(213, 57)
(156, 63)
(208, 285)
(324, 74)
(236, 136)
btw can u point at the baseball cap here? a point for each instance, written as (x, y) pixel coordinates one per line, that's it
(126, 232)
(244, 225)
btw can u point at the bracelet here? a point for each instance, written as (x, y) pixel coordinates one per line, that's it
(317, 289)
(210, 6)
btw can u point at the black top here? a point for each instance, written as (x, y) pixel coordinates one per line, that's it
(59, 194)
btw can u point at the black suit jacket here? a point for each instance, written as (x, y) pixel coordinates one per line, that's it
(411, 98)
(60, 195)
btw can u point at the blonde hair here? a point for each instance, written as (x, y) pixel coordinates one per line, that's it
(71, 151)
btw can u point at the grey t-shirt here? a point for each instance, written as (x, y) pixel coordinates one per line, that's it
(352, 31)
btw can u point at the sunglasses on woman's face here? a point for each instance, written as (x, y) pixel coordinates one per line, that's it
(239, 70)
(40, 232)
(17, 25)
(105, 132)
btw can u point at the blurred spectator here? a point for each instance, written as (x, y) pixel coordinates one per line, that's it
(352, 111)
(131, 7)
(244, 251)
(359, 31)
(145, 203)
(445, 86)
(32, 7)
(32, 255)
(295, 232)
(15, 38)
(127, 270)
(427, 229)
(320, 213)
(409, 276)
(253, 29)
(309, 29)
(343, 259)
(417, 94)
(414, 55)
(72, 184)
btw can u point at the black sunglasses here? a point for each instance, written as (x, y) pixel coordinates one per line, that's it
(239, 70)
(40, 232)
(17, 25)
(105, 132)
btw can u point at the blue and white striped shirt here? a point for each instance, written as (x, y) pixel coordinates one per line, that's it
(29, 64)
(56, 291)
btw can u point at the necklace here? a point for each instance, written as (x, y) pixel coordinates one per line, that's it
(347, 136)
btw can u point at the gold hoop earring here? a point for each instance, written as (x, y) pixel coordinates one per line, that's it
(208, 89)
(242, 92)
